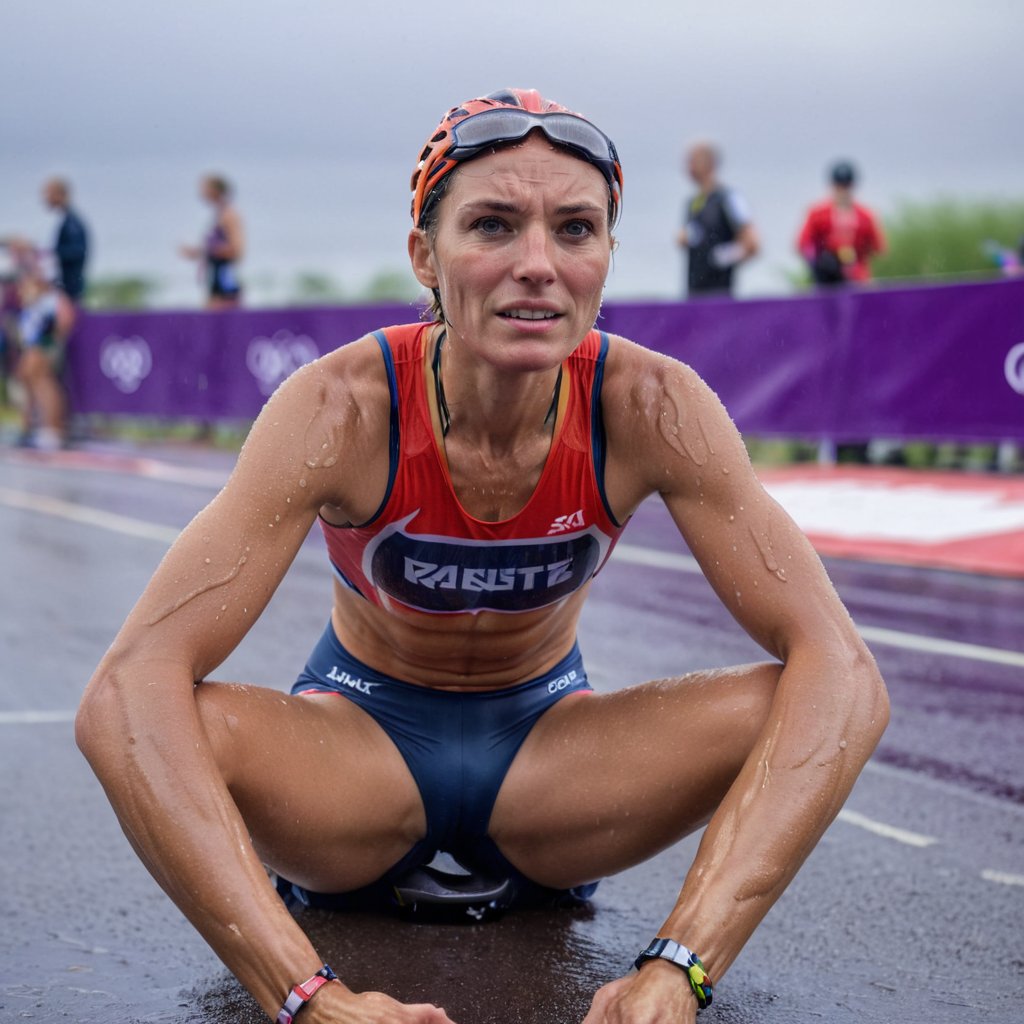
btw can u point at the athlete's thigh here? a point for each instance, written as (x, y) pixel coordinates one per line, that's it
(326, 796)
(31, 363)
(606, 780)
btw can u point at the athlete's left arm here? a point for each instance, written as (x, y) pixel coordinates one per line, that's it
(830, 706)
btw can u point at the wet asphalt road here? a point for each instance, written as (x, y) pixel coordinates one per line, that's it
(911, 908)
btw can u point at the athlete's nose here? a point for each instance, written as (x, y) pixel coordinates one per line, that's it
(535, 255)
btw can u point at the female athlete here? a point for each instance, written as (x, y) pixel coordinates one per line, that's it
(471, 475)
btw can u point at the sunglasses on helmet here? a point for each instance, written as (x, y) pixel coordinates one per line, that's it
(491, 127)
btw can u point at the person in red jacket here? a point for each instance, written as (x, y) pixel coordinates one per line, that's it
(840, 236)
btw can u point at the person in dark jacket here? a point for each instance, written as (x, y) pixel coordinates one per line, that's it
(717, 234)
(71, 247)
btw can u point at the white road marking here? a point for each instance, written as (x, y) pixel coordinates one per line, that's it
(631, 553)
(901, 835)
(128, 465)
(87, 515)
(936, 645)
(35, 717)
(873, 634)
(1002, 877)
(950, 789)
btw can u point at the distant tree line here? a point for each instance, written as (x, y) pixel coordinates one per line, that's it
(951, 238)
(306, 288)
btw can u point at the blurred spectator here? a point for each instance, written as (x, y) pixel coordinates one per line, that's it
(71, 248)
(18, 257)
(717, 232)
(840, 236)
(222, 248)
(1011, 263)
(41, 328)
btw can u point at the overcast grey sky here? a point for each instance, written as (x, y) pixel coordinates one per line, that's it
(317, 109)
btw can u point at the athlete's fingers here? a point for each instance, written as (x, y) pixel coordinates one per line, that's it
(378, 1008)
(640, 999)
(428, 1013)
(602, 1000)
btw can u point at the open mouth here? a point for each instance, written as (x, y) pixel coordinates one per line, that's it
(529, 314)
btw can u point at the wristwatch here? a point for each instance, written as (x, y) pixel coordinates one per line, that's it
(686, 960)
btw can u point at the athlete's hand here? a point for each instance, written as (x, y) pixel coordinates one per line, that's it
(343, 1006)
(659, 994)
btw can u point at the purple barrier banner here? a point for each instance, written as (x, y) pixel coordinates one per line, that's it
(941, 363)
(205, 365)
(937, 363)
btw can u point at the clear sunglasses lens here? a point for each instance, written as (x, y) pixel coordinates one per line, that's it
(495, 126)
(573, 132)
(491, 127)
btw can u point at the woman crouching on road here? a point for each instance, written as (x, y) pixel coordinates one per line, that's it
(471, 475)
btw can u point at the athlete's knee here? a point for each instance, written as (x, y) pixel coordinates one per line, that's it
(741, 702)
(220, 724)
(760, 684)
(765, 679)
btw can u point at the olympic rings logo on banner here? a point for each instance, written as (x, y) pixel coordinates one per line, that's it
(126, 362)
(1014, 368)
(271, 360)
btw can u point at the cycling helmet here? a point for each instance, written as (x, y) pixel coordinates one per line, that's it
(475, 127)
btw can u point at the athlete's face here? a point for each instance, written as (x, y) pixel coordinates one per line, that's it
(520, 254)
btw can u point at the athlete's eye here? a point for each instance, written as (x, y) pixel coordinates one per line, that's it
(579, 229)
(489, 225)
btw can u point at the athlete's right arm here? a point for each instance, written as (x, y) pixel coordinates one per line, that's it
(317, 440)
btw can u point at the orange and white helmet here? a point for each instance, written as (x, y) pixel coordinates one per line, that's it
(510, 115)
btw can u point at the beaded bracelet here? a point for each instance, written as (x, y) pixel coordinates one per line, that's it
(301, 994)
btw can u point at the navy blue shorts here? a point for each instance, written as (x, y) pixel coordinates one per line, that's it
(458, 746)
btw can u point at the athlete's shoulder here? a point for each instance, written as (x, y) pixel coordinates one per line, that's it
(655, 408)
(345, 385)
(639, 381)
(331, 415)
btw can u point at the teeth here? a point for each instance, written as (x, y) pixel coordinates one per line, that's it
(529, 314)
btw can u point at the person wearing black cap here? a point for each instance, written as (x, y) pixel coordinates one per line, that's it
(839, 236)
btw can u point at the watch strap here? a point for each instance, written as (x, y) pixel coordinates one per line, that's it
(301, 994)
(686, 960)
